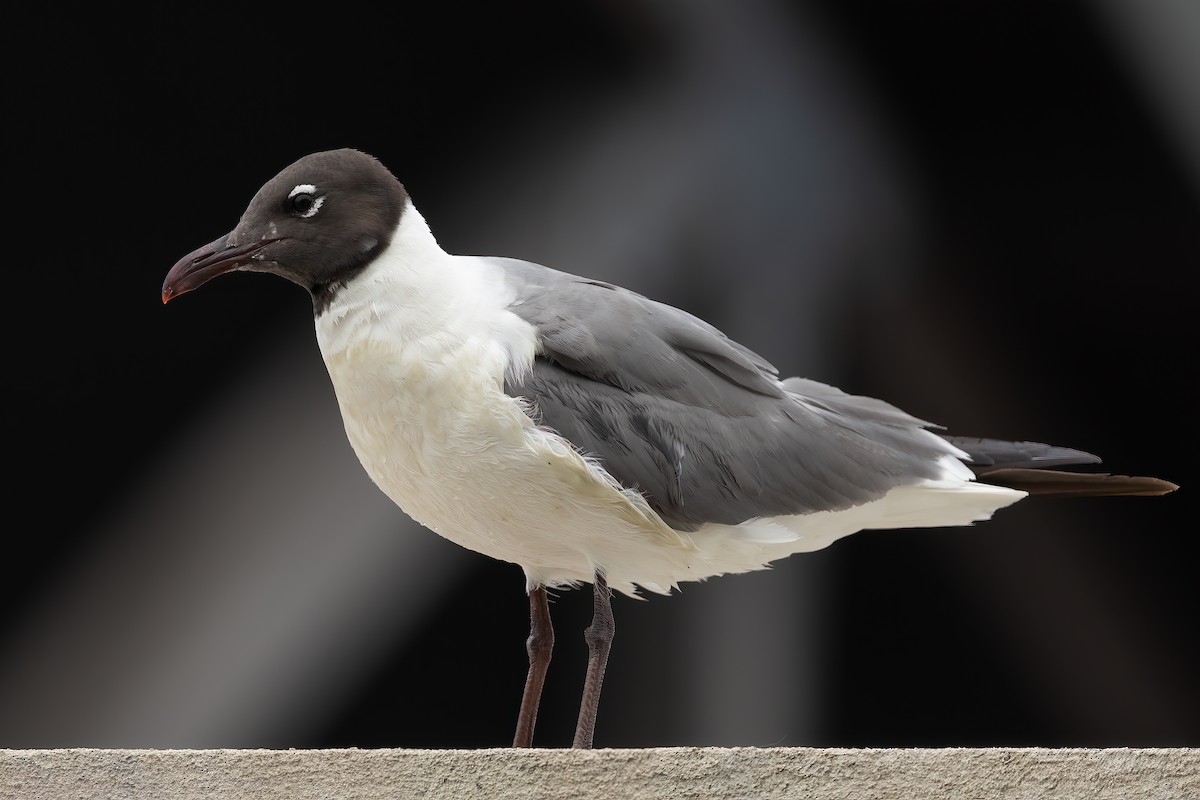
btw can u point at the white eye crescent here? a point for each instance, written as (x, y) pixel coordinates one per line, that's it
(303, 200)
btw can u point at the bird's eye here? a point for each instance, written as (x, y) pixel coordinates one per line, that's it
(304, 201)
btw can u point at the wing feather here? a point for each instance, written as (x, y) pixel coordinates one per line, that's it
(698, 423)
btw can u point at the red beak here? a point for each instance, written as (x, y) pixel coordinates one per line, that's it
(205, 263)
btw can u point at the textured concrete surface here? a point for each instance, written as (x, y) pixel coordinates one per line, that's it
(828, 774)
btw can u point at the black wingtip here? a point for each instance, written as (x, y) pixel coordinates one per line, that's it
(992, 454)
(1060, 483)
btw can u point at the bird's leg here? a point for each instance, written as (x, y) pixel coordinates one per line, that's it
(539, 646)
(599, 636)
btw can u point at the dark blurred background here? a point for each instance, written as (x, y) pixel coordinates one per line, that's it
(985, 212)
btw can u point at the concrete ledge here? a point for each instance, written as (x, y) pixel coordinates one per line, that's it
(654, 774)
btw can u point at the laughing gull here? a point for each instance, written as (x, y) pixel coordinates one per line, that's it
(582, 431)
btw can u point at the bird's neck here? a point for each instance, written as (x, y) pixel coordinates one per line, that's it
(418, 296)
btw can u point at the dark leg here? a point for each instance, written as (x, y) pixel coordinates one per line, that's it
(599, 636)
(539, 646)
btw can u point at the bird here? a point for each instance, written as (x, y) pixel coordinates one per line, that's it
(583, 431)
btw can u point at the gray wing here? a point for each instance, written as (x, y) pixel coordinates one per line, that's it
(695, 421)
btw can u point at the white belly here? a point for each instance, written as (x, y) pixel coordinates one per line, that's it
(444, 442)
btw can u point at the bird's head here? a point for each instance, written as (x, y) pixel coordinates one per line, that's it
(317, 223)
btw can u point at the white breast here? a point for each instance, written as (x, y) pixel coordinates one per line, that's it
(417, 348)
